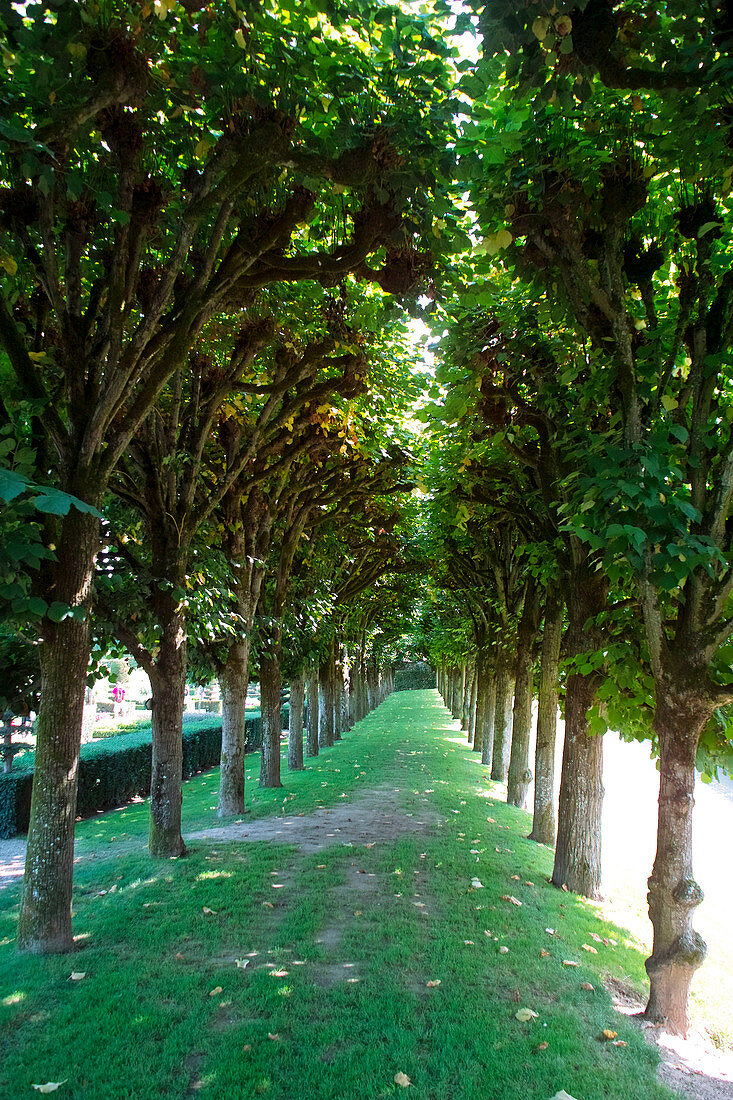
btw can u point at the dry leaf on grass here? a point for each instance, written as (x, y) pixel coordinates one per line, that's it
(544, 953)
(477, 884)
(618, 1043)
(596, 937)
(432, 985)
(503, 950)
(247, 1048)
(402, 1079)
(77, 975)
(515, 878)
(587, 986)
(529, 883)
(562, 1095)
(216, 991)
(242, 963)
(469, 943)
(551, 931)
(511, 898)
(524, 1015)
(50, 1086)
(608, 1034)
(543, 1046)
(593, 950)
(211, 912)
(267, 905)
(274, 1035)
(569, 962)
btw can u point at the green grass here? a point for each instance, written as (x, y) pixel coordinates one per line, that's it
(143, 1022)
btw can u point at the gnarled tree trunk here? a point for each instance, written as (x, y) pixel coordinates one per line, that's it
(678, 950)
(45, 914)
(311, 748)
(543, 822)
(295, 723)
(234, 681)
(270, 684)
(502, 721)
(168, 681)
(520, 774)
(578, 849)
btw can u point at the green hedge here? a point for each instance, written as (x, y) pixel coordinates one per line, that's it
(414, 679)
(115, 770)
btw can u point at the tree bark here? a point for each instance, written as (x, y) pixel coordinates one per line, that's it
(578, 850)
(336, 673)
(168, 681)
(45, 913)
(520, 774)
(482, 678)
(502, 722)
(234, 681)
(295, 723)
(311, 748)
(487, 747)
(472, 706)
(544, 823)
(464, 690)
(270, 684)
(325, 711)
(678, 950)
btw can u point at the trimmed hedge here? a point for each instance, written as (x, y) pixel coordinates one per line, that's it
(414, 679)
(113, 771)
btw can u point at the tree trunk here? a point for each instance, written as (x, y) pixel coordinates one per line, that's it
(578, 850)
(544, 823)
(336, 672)
(270, 684)
(311, 748)
(295, 723)
(519, 775)
(482, 676)
(168, 681)
(234, 681)
(678, 950)
(487, 747)
(325, 712)
(502, 722)
(45, 913)
(464, 690)
(472, 706)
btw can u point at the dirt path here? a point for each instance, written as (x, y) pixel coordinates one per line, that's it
(372, 817)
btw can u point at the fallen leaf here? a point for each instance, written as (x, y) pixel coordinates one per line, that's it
(402, 1079)
(524, 1015)
(215, 991)
(469, 943)
(477, 884)
(515, 878)
(618, 1043)
(588, 987)
(593, 950)
(210, 912)
(370, 845)
(358, 913)
(432, 985)
(543, 1046)
(544, 953)
(569, 962)
(242, 963)
(509, 897)
(596, 937)
(492, 820)
(247, 1048)
(267, 905)
(178, 955)
(516, 996)
(503, 950)
(551, 931)
(562, 1095)
(50, 1086)
(77, 975)
(279, 974)
(608, 1034)
(274, 1036)
(529, 884)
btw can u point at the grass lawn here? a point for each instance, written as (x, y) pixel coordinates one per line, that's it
(338, 945)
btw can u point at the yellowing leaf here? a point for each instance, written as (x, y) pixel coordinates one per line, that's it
(432, 985)
(402, 1079)
(510, 898)
(608, 1034)
(7, 262)
(569, 962)
(240, 39)
(50, 1086)
(593, 950)
(588, 987)
(618, 1043)
(524, 1015)
(541, 26)
(216, 991)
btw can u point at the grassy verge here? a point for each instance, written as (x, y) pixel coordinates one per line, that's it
(339, 947)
